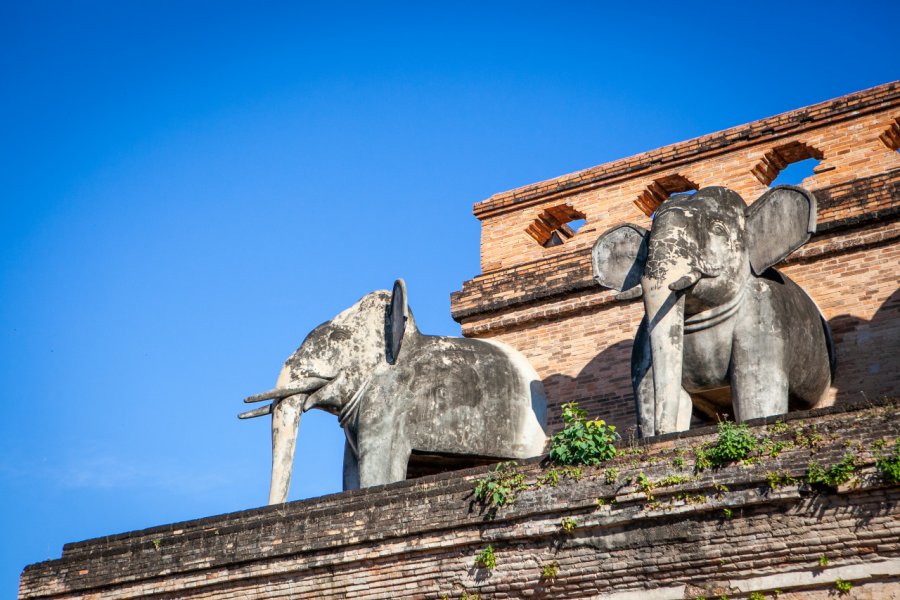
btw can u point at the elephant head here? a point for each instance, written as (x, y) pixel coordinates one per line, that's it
(328, 369)
(692, 269)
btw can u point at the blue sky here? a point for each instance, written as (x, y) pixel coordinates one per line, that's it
(188, 188)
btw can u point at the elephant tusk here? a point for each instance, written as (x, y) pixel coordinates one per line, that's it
(256, 412)
(687, 281)
(305, 386)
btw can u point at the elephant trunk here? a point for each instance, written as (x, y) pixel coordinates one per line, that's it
(665, 315)
(285, 423)
(286, 413)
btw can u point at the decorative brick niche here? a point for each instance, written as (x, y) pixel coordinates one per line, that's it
(661, 189)
(555, 225)
(776, 159)
(891, 136)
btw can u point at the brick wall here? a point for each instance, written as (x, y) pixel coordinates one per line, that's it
(718, 531)
(543, 301)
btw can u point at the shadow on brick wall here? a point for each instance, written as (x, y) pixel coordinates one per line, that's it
(602, 388)
(868, 353)
(868, 368)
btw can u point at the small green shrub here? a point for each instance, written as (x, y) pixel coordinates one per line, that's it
(823, 561)
(611, 475)
(774, 449)
(644, 483)
(776, 479)
(834, 475)
(486, 559)
(727, 513)
(809, 438)
(888, 465)
(582, 441)
(568, 525)
(735, 442)
(500, 487)
(757, 596)
(550, 571)
(843, 586)
(550, 478)
(673, 480)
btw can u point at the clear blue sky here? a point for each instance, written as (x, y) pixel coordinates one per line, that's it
(188, 188)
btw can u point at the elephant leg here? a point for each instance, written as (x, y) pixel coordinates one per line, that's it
(644, 392)
(382, 461)
(642, 382)
(759, 377)
(351, 468)
(685, 409)
(645, 403)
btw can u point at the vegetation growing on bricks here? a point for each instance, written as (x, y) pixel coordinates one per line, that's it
(486, 559)
(582, 441)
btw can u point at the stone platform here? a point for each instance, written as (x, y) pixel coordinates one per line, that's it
(646, 525)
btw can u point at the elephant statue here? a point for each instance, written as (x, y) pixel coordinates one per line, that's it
(397, 391)
(717, 315)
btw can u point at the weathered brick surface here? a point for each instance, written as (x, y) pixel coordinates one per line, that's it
(417, 539)
(578, 336)
(847, 131)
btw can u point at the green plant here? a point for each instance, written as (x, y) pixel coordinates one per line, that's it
(673, 480)
(888, 465)
(486, 559)
(550, 478)
(774, 449)
(779, 427)
(550, 571)
(809, 438)
(823, 561)
(611, 475)
(727, 513)
(553, 476)
(467, 596)
(500, 486)
(644, 483)
(568, 525)
(843, 586)
(834, 475)
(678, 462)
(601, 502)
(156, 544)
(776, 479)
(582, 441)
(734, 442)
(757, 596)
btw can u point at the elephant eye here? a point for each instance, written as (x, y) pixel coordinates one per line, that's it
(718, 229)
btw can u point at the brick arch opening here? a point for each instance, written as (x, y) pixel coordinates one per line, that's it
(555, 225)
(776, 160)
(891, 136)
(661, 189)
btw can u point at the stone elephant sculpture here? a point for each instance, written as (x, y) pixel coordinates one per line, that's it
(717, 315)
(396, 391)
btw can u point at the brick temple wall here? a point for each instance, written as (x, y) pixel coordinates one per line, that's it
(543, 301)
(719, 531)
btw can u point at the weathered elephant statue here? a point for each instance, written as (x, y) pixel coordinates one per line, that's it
(396, 391)
(716, 313)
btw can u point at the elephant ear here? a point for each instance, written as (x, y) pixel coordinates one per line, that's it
(778, 223)
(618, 257)
(398, 312)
